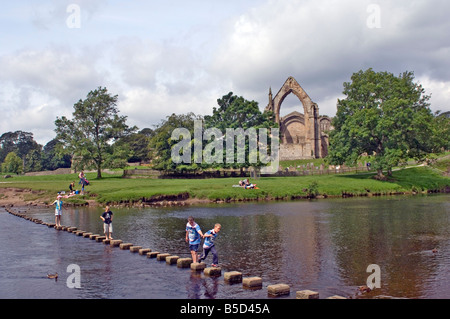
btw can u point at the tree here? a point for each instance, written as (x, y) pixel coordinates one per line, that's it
(162, 142)
(33, 161)
(54, 156)
(94, 126)
(19, 142)
(235, 112)
(12, 164)
(385, 116)
(443, 129)
(136, 146)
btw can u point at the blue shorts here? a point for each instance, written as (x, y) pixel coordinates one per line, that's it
(194, 247)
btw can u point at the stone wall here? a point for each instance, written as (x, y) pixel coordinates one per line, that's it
(58, 171)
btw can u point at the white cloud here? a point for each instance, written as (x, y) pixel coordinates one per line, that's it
(321, 43)
(56, 72)
(162, 60)
(146, 108)
(439, 91)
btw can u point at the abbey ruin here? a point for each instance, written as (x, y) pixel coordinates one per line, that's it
(303, 136)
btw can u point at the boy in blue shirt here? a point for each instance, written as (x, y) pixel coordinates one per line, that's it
(193, 237)
(208, 245)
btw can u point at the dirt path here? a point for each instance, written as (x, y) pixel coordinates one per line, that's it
(16, 197)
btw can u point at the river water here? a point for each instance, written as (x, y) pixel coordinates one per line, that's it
(323, 245)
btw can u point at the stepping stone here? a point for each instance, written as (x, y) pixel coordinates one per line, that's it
(172, 260)
(213, 271)
(144, 251)
(184, 262)
(87, 235)
(307, 294)
(100, 239)
(162, 257)
(233, 277)
(115, 242)
(135, 249)
(125, 246)
(252, 282)
(279, 290)
(198, 266)
(153, 254)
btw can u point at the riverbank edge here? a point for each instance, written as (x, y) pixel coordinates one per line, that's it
(184, 199)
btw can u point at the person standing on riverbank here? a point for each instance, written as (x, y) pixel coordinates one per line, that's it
(58, 210)
(209, 245)
(81, 177)
(107, 218)
(193, 237)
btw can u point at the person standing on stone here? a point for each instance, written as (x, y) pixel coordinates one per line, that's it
(193, 237)
(58, 210)
(209, 246)
(107, 218)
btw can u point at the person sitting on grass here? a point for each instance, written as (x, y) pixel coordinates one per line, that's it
(72, 188)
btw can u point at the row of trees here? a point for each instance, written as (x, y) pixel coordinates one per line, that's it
(382, 114)
(98, 136)
(233, 112)
(20, 153)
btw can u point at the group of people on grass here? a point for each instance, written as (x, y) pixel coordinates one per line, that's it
(245, 183)
(83, 182)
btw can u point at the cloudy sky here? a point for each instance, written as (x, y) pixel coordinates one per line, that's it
(178, 56)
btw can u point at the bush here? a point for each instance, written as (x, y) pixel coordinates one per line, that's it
(312, 190)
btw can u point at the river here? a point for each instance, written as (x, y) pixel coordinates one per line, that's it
(321, 245)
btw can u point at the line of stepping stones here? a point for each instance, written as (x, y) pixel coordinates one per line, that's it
(230, 277)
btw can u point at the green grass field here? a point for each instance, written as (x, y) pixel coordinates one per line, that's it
(114, 188)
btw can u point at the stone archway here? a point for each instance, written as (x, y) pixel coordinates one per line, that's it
(300, 133)
(292, 86)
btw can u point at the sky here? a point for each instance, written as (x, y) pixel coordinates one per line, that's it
(178, 56)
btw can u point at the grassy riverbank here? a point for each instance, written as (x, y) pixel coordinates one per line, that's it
(115, 189)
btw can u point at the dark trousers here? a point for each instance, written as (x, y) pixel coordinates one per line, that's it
(214, 252)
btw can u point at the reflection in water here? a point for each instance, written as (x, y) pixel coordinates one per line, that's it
(319, 245)
(200, 287)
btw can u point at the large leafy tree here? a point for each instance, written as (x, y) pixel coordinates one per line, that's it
(162, 143)
(135, 146)
(96, 123)
(19, 142)
(12, 164)
(235, 112)
(386, 116)
(54, 157)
